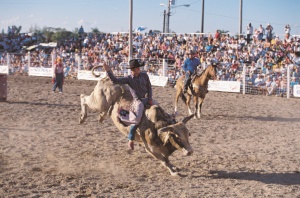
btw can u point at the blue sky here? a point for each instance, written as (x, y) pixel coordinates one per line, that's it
(113, 15)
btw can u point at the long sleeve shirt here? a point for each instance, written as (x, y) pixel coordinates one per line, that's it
(140, 86)
(58, 68)
(191, 64)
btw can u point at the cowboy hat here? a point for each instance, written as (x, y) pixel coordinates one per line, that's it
(190, 52)
(134, 63)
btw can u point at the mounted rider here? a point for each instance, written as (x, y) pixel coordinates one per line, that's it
(141, 90)
(189, 66)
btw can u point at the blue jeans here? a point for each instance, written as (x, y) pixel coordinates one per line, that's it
(132, 131)
(58, 82)
(187, 79)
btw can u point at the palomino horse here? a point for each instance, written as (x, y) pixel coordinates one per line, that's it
(199, 89)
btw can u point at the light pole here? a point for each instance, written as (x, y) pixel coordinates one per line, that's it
(168, 14)
(130, 30)
(202, 23)
(164, 23)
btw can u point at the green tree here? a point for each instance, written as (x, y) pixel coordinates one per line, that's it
(95, 31)
(61, 35)
(48, 33)
(35, 29)
(156, 32)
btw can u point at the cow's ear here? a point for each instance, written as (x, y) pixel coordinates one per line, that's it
(186, 119)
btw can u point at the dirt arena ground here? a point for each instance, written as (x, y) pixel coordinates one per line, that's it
(244, 146)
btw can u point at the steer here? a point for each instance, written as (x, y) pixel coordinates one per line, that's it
(157, 131)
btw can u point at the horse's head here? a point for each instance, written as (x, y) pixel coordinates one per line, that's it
(212, 71)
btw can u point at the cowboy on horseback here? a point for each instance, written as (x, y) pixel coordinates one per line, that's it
(190, 66)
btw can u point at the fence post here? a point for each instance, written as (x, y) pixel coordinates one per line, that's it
(8, 63)
(165, 65)
(79, 63)
(28, 58)
(244, 78)
(288, 79)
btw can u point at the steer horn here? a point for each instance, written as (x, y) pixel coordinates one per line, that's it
(164, 134)
(95, 67)
(186, 119)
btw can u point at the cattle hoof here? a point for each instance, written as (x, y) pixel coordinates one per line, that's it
(81, 120)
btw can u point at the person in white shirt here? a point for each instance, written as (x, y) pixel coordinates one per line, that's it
(287, 30)
(261, 30)
(249, 32)
(272, 87)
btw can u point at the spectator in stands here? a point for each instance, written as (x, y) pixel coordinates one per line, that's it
(81, 31)
(296, 74)
(249, 32)
(287, 30)
(261, 31)
(264, 87)
(232, 77)
(269, 35)
(218, 54)
(86, 42)
(273, 86)
(259, 81)
(217, 35)
(282, 85)
(293, 83)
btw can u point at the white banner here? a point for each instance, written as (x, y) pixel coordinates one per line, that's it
(40, 71)
(224, 86)
(4, 69)
(158, 80)
(87, 75)
(296, 90)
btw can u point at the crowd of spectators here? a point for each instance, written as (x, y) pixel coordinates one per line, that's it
(267, 56)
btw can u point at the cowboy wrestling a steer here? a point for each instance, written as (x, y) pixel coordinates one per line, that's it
(141, 90)
(158, 132)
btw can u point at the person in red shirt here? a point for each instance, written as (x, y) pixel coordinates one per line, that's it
(58, 75)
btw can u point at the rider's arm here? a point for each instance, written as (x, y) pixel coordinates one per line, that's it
(149, 86)
(112, 77)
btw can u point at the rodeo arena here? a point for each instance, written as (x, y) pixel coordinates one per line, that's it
(242, 142)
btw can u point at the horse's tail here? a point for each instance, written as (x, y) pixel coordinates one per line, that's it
(183, 97)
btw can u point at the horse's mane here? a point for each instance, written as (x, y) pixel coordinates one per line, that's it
(198, 74)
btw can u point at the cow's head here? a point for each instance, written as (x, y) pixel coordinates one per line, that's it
(177, 135)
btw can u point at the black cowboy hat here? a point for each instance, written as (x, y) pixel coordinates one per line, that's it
(134, 63)
(191, 52)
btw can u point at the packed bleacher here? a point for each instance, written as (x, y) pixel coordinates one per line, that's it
(266, 56)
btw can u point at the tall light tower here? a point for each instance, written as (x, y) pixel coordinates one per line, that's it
(168, 14)
(202, 23)
(130, 30)
(241, 17)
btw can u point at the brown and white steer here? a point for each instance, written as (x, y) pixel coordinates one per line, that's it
(157, 131)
